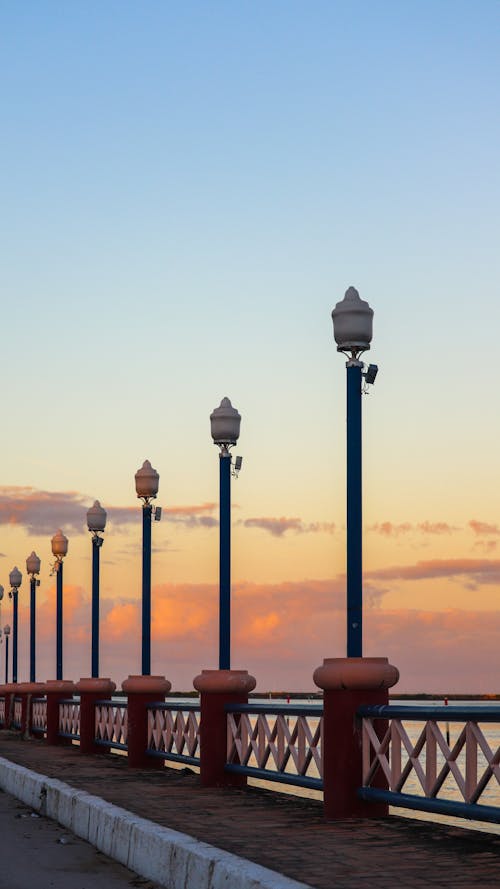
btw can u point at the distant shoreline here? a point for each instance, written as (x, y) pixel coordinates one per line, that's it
(318, 696)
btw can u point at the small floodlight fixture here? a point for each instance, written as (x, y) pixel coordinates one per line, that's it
(370, 374)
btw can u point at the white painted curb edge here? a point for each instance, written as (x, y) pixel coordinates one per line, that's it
(170, 858)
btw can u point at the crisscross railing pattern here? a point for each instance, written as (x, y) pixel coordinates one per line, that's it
(280, 743)
(17, 718)
(174, 732)
(39, 715)
(111, 724)
(423, 763)
(69, 718)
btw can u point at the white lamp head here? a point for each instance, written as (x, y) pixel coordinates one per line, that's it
(59, 545)
(33, 564)
(147, 481)
(15, 578)
(225, 424)
(352, 323)
(96, 518)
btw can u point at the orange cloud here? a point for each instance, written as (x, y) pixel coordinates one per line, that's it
(389, 529)
(484, 528)
(279, 526)
(280, 632)
(478, 571)
(42, 512)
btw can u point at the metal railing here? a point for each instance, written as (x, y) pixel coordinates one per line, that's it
(2, 710)
(174, 732)
(422, 768)
(280, 742)
(39, 715)
(111, 724)
(17, 717)
(69, 719)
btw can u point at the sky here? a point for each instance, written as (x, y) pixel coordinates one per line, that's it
(187, 190)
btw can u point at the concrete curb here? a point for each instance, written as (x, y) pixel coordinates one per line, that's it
(170, 858)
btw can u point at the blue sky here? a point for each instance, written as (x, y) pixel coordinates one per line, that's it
(187, 190)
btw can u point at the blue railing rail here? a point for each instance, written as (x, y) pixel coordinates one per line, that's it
(438, 713)
(110, 743)
(191, 739)
(287, 738)
(478, 765)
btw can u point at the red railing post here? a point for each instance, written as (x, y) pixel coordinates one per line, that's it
(141, 691)
(3, 696)
(91, 690)
(8, 695)
(56, 690)
(219, 688)
(348, 683)
(26, 690)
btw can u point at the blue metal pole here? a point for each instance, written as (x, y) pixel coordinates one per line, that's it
(95, 606)
(14, 638)
(147, 511)
(59, 620)
(6, 659)
(225, 562)
(354, 514)
(32, 628)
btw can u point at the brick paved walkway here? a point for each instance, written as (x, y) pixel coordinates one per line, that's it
(286, 834)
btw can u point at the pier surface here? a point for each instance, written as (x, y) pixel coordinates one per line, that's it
(284, 833)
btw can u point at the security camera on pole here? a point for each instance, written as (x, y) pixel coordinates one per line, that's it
(355, 680)
(223, 686)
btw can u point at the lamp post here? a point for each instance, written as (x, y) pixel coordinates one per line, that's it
(225, 428)
(33, 568)
(6, 632)
(15, 578)
(353, 329)
(147, 481)
(59, 550)
(96, 523)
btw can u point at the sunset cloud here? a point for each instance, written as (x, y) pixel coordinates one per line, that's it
(391, 529)
(484, 528)
(277, 527)
(479, 571)
(280, 633)
(42, 512)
